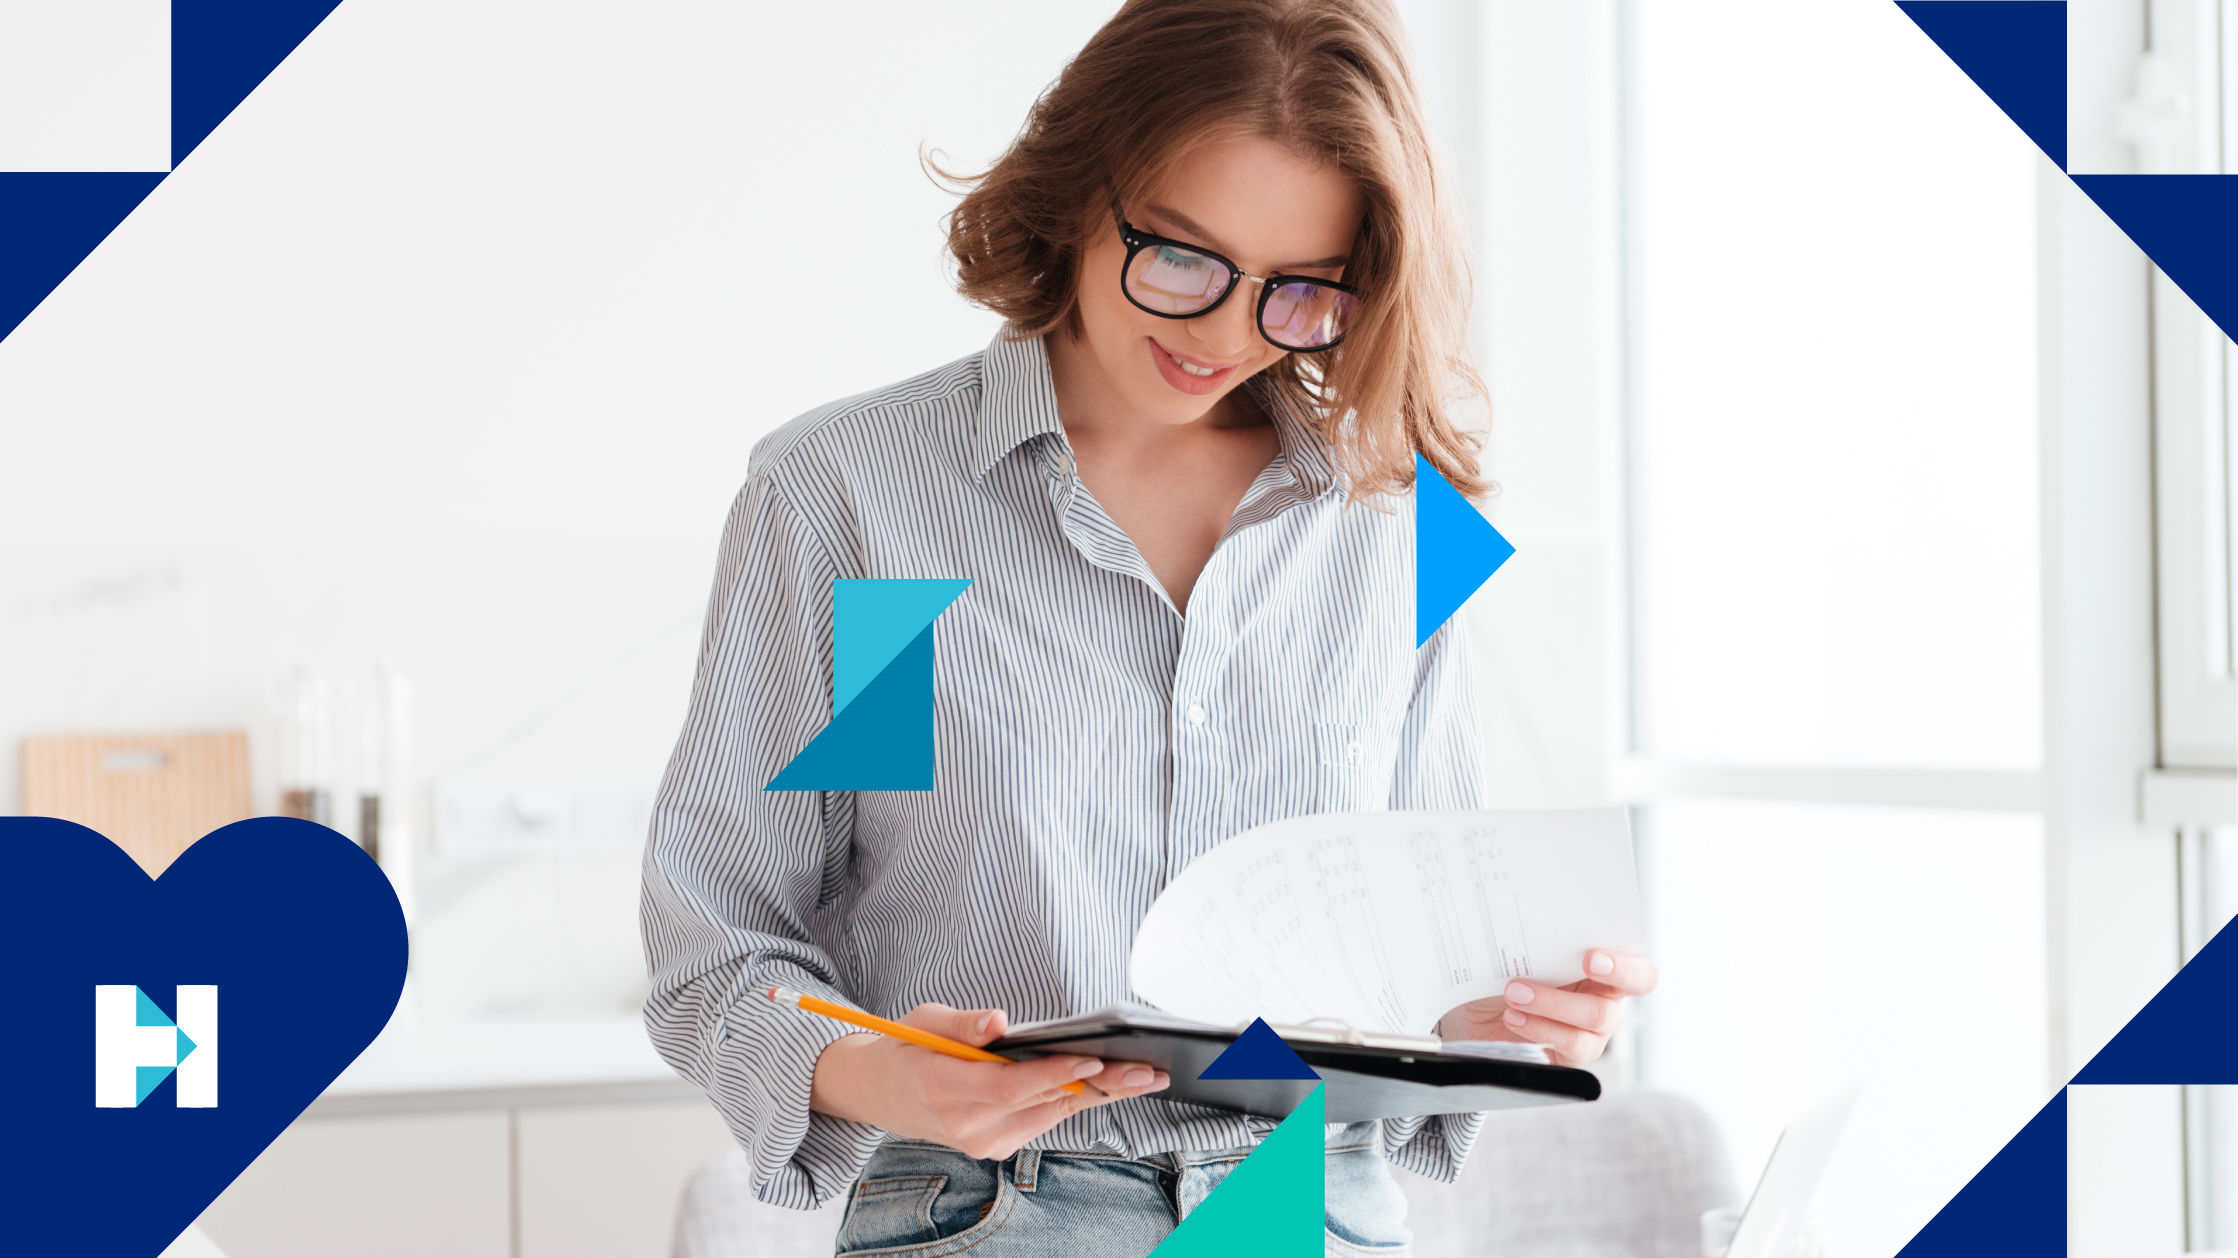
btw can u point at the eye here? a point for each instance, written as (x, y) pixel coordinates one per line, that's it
(1171, 256)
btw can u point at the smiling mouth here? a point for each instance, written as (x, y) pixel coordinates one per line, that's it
(1191, 368)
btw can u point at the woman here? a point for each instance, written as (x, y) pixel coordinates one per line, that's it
(1235, 314)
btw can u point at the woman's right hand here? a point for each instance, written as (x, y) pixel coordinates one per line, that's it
(981, 1108)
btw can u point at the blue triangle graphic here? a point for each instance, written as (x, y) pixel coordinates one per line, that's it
(883, 741)
(148, 1014)
(148, 1078)
(2015, 51)
(2188, 226)
(49, 223)
(2016, 1205)
(221, 50)
(2188, 1031)
(874, 621)
(186, 1046)
(1258, 1053)
(1455, 550)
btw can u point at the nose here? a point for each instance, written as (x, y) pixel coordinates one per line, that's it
(1229, 331)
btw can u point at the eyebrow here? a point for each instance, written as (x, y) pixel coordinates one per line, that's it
(1190, 225)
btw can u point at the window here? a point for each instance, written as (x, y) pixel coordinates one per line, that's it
(1832, 475)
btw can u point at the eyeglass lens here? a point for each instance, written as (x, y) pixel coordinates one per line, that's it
(1299, 314)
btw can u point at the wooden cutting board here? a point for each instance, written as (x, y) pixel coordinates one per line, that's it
(152, 794)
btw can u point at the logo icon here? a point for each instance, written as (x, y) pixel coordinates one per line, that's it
(135, 1047)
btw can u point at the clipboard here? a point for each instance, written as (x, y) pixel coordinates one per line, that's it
(1369, 1075)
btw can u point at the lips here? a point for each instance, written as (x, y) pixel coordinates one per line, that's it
(1171, 370)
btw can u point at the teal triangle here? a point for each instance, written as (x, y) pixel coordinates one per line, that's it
(149, 1077)
(874, 621)
(883, 741)
(1455, 550)
(149, 1015)
(1275, 1202)
(186, 1046)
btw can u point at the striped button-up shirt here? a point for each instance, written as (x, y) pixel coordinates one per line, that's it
(1090, 742)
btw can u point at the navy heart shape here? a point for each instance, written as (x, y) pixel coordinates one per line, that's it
(296, 927)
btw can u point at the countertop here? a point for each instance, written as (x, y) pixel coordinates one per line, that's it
(417, 1067)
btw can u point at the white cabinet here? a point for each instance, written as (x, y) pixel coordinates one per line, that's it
(602, 1181)
(375, 1187)
(546, 1181)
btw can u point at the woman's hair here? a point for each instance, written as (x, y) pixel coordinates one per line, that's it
(1327, 79)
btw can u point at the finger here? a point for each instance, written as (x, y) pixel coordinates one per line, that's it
(1130, 1078)
(1631, 975)
(1030, 1082)
(972, 1026)
(1587, 1010)
(1572, 1045)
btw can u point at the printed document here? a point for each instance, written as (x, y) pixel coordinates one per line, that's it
(1383, 921)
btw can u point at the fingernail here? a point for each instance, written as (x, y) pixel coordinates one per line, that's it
(1513, 1017)
(1136, 1078)
(1163, 1080)
(1520, 993)
(985, 1020)
(1088, 1066)
(1599, 962)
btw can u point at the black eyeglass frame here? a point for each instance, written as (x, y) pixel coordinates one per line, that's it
(1138, 240)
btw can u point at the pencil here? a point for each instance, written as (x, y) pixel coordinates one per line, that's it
(900, 1031)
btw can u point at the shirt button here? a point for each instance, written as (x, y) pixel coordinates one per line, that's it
(1196, 714)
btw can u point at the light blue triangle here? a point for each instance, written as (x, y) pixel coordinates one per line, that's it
(186, 1046)
(874, 621)
(1455, 550)
(149, 1077)
(882, 742)
(149, 1014)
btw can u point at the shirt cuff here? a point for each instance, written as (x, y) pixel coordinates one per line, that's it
(1433, 1147)
(767, 1059)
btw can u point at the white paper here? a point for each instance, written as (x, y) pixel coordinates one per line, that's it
(1387, 920)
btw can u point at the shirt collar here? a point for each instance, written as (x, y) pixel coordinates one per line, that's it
(1018, 402)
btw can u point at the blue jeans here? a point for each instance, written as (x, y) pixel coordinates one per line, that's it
(929, 1201)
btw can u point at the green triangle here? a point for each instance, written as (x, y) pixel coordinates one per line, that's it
(185, 1046)
(874, 621)
(1275, 1201)
(149, 1014)
(150, 1076)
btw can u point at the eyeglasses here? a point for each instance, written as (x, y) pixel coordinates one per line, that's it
(1176, 281)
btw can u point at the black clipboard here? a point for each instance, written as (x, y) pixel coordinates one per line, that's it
(1369, 1076)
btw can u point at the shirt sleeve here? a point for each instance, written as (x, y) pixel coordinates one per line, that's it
(738, 879)
(1440, 765)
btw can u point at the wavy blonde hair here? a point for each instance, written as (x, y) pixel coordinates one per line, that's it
(1327, 79)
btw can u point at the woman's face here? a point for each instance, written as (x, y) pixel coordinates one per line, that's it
(1250, 200)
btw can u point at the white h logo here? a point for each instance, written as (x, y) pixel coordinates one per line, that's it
(135, 1047)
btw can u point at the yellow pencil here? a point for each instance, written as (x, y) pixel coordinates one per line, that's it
(900, 1031)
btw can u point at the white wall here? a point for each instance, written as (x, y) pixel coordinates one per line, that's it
(449, 346)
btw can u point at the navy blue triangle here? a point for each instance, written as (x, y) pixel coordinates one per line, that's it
(49, 223)
(2184, 224)
(1258, 1053)
(882, 741)
(2016, 1205)
(2188, 1033)
(2015, 51)
(220, 51)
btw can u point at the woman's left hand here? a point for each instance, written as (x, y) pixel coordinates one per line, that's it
(1574, 1022)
